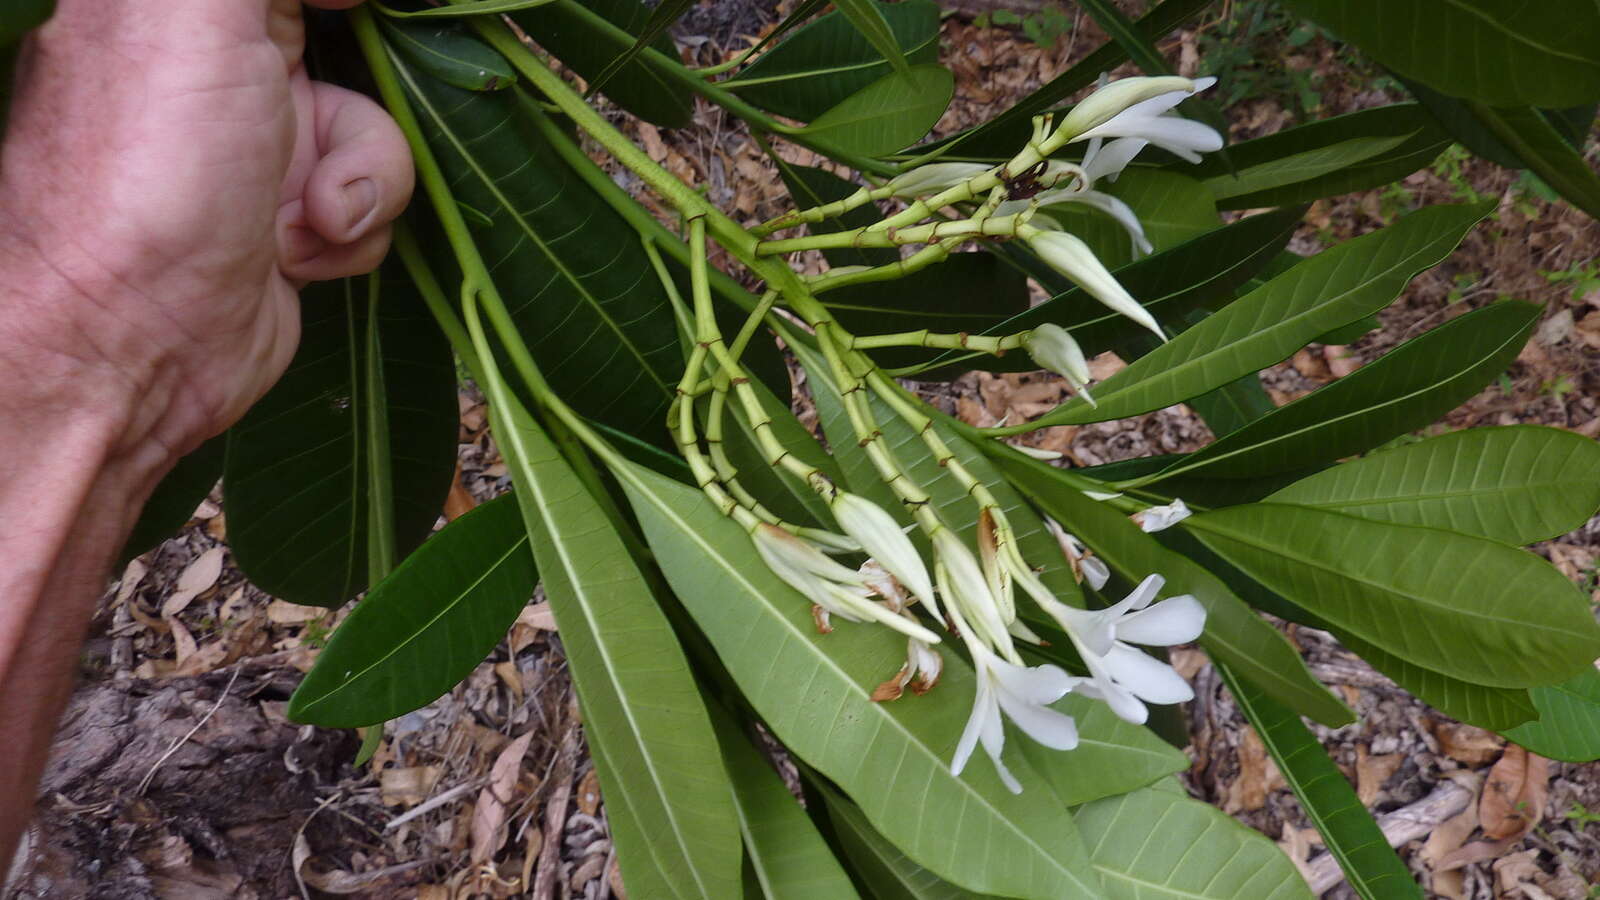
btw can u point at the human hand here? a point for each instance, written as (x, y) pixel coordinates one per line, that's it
(170, 176)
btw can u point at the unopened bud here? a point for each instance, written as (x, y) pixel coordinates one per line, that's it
(880, 536)
(1054, 348)
(933, 178)
(1117, 96)
(1072, 257)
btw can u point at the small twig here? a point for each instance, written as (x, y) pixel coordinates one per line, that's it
(144, 783)
(432, 803)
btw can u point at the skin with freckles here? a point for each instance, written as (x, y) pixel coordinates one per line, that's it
(170, 177)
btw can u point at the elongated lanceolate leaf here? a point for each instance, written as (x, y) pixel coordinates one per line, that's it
(1270, 323)
(1530, 134)
(296, 478)
(1347, 828)
(670, 801)
(1158, 843)
(1409, 388)
(814, 692)
(1234, 633)
(888, 114)
(571, 270)
(1352, 152)
(424, 627)
(1568, 727)
(448, 51)
(458, 10)
(663, 16)
(1470, 608)
(572, 32)
(1518, 484)
(821, 64)
(866, 16)
(1539, 55)
(888, 873)
(1493, 708)
(791, 860)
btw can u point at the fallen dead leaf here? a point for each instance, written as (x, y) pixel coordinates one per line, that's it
(1373, 771)
(132, 576)
(282, 612)
(1340, 359)
(614, 878)
(489, 817)
(195, 580)
(1445, 839)
(407, 786)
(1513, 794)
(183, 643)
(1472, 747)
(588, 798)
(511, 677)
(1258, 776)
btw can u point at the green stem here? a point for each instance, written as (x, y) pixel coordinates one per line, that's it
(993, 345)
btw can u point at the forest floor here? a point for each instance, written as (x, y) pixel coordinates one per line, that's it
(178, 776)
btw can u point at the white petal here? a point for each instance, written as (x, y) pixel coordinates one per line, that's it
(1141, 597)
(1095, 572)
(1119, 211)
(1181, 136)
(881, 537)
(1031, 684)
(1176, 620)
(1072, 257)
(1160, 518)
(1111, 159)
(1008, 779)
(1148, 678)
(1093, 630)
(983, 708)
(1124, 704)
(1136, 96)
(1053, 729)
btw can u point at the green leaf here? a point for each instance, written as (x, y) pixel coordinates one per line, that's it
(295, 478)
(661, 18)
(1518, 484)
(637, 87)
(1172, 207)
(866, 16)
(811, 186)
(821, 64)
(1410, 387)
(1463, 606)
(814, 692)
(479, 8)
(1530, 135)
(572, 271)
(1458, 121)
(451, 53)
(175, 498)
(426, 626)
(1112, 757)
(1157, 843)
(670, 802)
(1568, 728)
(1347, 828)
(1352, 152)
(1270, 323)
(791, 860)
(888, 114)
(1349, 334)
(1479, 49)
(1234, 633)
(1475, 704)
(888, 873)
(1196, 273)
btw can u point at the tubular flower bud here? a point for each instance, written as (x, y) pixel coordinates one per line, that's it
(1072, 257)
(1121, 95)
(1151, 120)
(933, 178)
(1053, 347)
(1160, 518)
(881, 537)
(829, 585)
(965, 587)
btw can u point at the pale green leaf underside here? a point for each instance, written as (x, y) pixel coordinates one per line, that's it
(1485, 707)
(1518, 484)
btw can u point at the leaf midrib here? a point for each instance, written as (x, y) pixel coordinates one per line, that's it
(629, 474)
(798, 74)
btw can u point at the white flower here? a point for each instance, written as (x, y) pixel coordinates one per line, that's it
(1118, 97)
(1073, 258)
(1085, 565)
(880, 536)
(1023, 693)
(1147, 119)
(963, 585)
(1119, 673)
(1160, 518)
(934, 178)
(1106, 159)
(835, 589)
(1053, 347)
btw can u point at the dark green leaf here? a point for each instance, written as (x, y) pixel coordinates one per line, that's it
(572, 271)
(1198, 272)
(661, 18)
(888, 114)
(1270, 323)
(814, 692)
(1234, 405)
(828, 60)
(295, 479)
(637, 87)
(1483, 50)
(1233, 632)
(459, 10)
(176, 498)
(1568, 728)
(1474, 609)
(888, 873)
(1172, 207)
(1352, 152)
(1530, 135)
(1349, 334)
(1518, 484)
(1493, 708)
(1458, 121)
(1412, 386)
(451, 53)
(866, 16)
(669, 799)
(1347, 828)
(426, 626)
